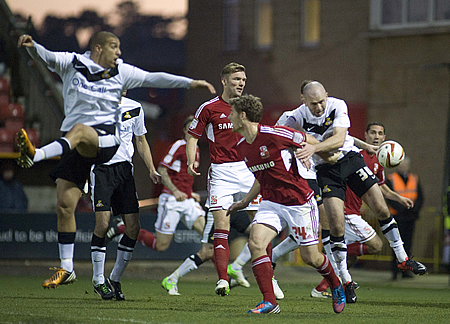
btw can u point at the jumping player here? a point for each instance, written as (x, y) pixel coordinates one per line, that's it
(92, 88)
(327, 119)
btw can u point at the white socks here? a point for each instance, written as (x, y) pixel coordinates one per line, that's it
(66, 256)
(53, 149)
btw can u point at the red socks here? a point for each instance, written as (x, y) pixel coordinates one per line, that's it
(221, 252)
(147, 239)
(357, 249)
(326, 270)
(262, 269)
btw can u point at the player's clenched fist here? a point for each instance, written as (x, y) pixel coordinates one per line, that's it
(25, 40)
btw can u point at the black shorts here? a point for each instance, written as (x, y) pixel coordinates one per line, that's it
(114, 188)
(317, 191)
(239, 221)
(351, 170)
(76, 168)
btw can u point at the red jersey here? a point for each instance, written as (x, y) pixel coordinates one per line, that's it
(274, 166)
(352, 201)
(212, 117)
(175, 160)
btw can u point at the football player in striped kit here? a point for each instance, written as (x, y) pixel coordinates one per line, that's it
(92, 88)
(326, 118)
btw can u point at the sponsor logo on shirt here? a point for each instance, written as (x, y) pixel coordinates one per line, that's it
(225, 126)
(223, 116)
(193, 123)
(80, 84)
(261, 167)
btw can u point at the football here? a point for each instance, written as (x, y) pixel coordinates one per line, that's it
(390, 154)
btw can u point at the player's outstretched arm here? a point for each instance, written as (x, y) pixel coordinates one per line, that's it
(201, 84)
(371, 149)
(37, 51)
(388, 193)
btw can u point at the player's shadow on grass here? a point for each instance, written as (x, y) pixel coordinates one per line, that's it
(405, 303)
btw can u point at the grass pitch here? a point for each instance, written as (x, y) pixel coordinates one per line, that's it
(380, 300)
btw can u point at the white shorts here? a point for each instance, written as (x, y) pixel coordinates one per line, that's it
(171, 211)
(357, 229)
(303, 220)
(228, 183)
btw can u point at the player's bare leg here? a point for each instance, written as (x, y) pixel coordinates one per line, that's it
(84, 139)
(190, 264)
(374, 199)
(80, 137)
(68, 195)
(320, 262)
(199, 224)
(373, 246)
(162, 241)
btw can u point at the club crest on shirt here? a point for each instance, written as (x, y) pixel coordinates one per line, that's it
(264, 152)
(106, 75)
(375, 167)
(328, 121)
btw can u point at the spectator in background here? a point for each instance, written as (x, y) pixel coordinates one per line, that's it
(407, 185)
(13, 199)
